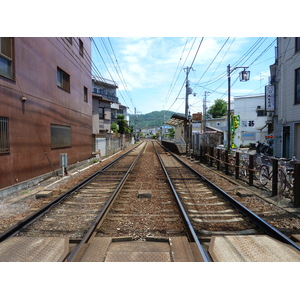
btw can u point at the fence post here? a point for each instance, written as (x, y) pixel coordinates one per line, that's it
(275, 177)
(297, 185)
(218, 159)
(200, 154)
(237, 165)
(226, 162)
(205, 156)
(211, 153)
(251, 167)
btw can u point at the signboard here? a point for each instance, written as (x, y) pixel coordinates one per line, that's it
(247, 136)
(197, 117)
(270, 97)
(114, 106)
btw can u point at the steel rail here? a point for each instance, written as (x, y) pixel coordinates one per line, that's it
(262, 224)
(192, 236)
(33, 217)
(72, 256)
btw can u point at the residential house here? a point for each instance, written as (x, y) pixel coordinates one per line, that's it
(106, 105)
(106, 108)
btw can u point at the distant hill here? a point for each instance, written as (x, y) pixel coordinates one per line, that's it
(151, 120)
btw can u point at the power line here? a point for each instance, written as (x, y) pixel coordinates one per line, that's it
(180, 72)
(98, 51)
(173, 83)
(122, 77)
(189, 69)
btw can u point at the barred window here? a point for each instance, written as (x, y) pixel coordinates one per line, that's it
(4, 135)
(6, 57)
(60, 136)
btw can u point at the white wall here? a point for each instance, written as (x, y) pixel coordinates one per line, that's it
(250, 129)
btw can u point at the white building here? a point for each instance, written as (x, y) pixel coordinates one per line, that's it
(286, 79)
(253, 119)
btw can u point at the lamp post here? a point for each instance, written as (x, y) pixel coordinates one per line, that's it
(244, 76)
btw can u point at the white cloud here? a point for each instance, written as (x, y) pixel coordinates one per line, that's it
(149, 64)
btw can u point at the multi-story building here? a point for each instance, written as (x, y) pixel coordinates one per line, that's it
(45, 106)
(104, 94)
(252, 118)
(106, 105)
(285, 77)
(106, 108)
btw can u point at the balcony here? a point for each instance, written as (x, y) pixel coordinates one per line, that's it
(106, 94)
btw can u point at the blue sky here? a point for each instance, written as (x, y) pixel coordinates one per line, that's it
(150, 69)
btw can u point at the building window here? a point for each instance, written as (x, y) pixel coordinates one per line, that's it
(81, 47)
(63, 80)
(85, 94)
(60, 136)
(6, 57)
(297, 86)
(297, 46)
(261, 113)
(4, 136)
(101, 113)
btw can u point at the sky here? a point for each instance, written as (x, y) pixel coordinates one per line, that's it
(151, 71)
(151, 41)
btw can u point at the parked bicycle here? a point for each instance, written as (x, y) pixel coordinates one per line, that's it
(287, 166)
(266, 176)
(244, 164)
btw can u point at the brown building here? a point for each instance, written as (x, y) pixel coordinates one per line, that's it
(45, 105)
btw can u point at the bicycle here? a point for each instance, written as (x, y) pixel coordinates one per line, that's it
(287, 167)
(244, 164)
(266, 175)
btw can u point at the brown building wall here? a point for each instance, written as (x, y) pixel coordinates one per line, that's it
(36, 61)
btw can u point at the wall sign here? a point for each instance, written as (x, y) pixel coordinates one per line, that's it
(270, 97)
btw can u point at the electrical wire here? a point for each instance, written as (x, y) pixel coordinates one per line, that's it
(172, 82)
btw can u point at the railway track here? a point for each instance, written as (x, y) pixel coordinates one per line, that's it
(146, 200)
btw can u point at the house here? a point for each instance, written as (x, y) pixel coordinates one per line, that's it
(218, 123)
(253, 119)
(104, 98)
(45, 107)
(106, 108)
(285, 106)
(177, 144)
(106, 105)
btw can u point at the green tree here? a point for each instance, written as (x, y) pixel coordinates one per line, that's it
(171, 133)
(114, 127)
(219, 109)
(123, 125)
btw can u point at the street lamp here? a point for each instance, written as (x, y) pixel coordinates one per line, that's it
(244, 76)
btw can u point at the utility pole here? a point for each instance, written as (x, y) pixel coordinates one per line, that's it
(188, 91)
(134, 131)
(206, 93)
